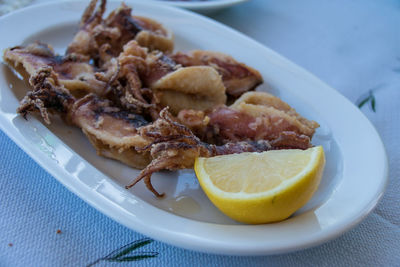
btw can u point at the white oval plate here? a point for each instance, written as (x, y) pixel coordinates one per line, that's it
(353, 181)
(202, 6)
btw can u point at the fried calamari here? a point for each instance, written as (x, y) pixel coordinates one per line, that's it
(141, 104)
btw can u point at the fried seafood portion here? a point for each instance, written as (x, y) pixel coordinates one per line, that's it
(112, 131)
(119, 83)
(173, 146)
(115, 133)
(78, 77)
(47, 95)
(98, 36)
(237, 77)
(254, 116)
(123, 135)
(124, 84)
(275, 115)
(197, 87)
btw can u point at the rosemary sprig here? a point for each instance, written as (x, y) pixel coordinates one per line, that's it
(126, 253)
(370, 97)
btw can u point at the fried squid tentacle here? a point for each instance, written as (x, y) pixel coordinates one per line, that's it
(125, 87)
(47, 94)
(174, 147)
(76, 76)
(97, 35)
(83, 44)
(254, 116)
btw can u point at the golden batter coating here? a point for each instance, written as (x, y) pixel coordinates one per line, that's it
(237, 77)
(199, 88)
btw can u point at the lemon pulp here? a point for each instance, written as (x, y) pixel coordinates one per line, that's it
(261, 187)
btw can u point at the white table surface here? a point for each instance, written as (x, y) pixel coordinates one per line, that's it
(354, 46)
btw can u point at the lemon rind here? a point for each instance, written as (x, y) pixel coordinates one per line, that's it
(212, 189)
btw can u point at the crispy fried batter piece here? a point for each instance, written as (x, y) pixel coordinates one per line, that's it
(237, 77)
(275, 115)
(254, 116)
(112, 131)
(198, 87)
(78, 77)
(97, 35)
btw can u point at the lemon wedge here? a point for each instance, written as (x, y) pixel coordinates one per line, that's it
(261, 187)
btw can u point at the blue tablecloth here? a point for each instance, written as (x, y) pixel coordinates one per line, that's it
(354, 46)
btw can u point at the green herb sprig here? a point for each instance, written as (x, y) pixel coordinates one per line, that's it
(370, 97)
(127, 253)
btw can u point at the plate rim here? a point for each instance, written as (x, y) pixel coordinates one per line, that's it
(105, 205)
(202, 6)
